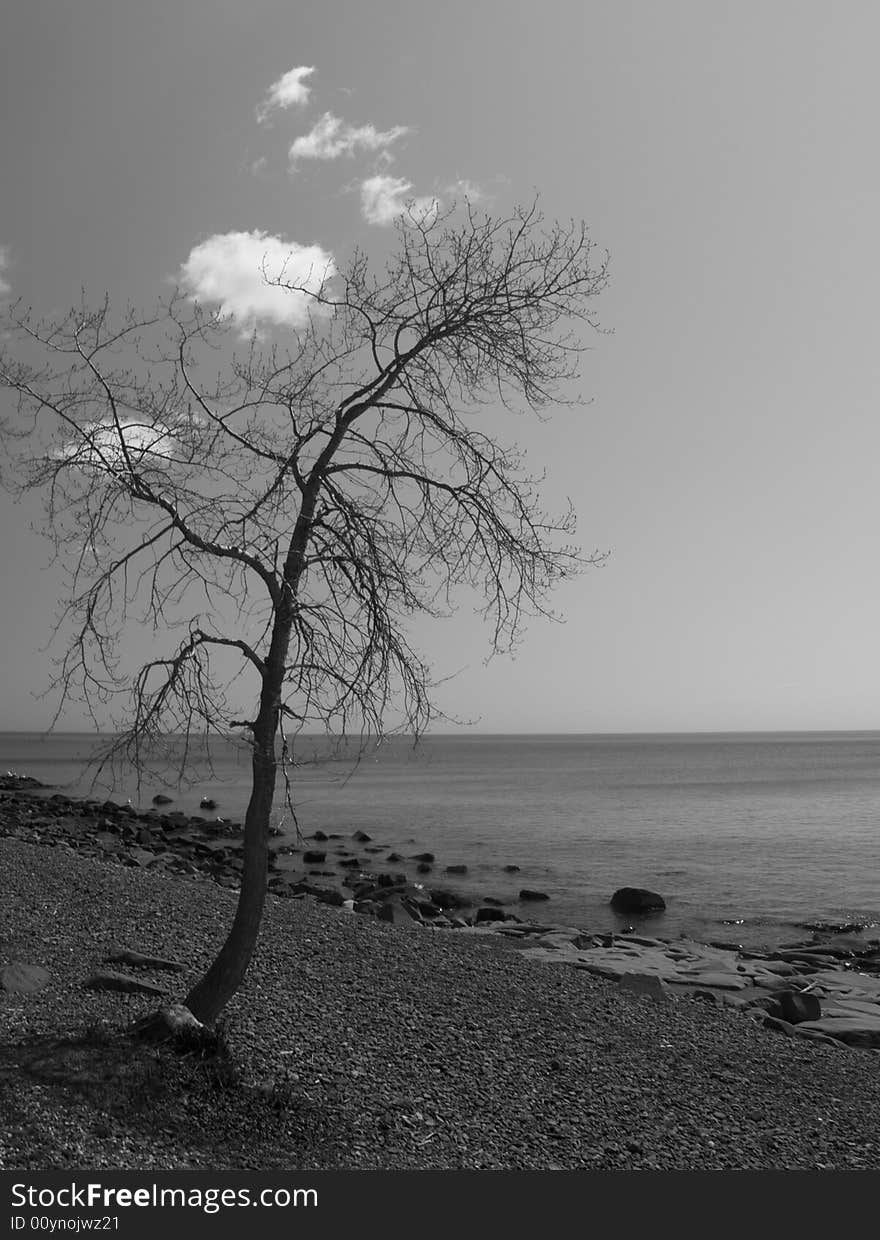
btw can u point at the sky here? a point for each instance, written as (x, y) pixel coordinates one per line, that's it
(724, 154)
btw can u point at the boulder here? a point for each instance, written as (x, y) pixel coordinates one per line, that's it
(325, 895)
(456, 869)
(319, 835)
(488, 914)
(396, 912)
(424, 867)
(23, 979)
(161, 799)
(362, 837)
(528, 894)
(636, 900)
(426, 857)
(511, 869)
(207, 803)
(647, 984)
(313, 857)
(798, 1006)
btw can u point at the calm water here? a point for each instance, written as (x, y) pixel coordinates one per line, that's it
(766, 829)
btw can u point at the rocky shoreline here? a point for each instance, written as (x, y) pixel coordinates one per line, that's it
(825, 987)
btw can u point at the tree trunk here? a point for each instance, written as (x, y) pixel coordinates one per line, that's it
(209, 997)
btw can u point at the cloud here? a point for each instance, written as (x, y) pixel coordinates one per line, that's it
(466, 189)
(383, 198)
(5, 286)
(289, 91)
(331, 137)
(104, 446)
(230, 270)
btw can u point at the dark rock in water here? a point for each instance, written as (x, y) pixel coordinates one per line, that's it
(488, 914)
(391, 880)
(161, 799)
(424, 867)
(313, 857)
(636, 900)
(832, 927)
(207, 803)
(394, 857)
(456, 869)
(423, 857)
(493, 900)
(362, 837)
(797, 1006)
(319, 835)
(23, 979)
(511, 869)
(528, 894)
(10, 782)
(350, 863)
(447, 899)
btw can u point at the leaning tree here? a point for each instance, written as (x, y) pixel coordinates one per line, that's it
(296, 506)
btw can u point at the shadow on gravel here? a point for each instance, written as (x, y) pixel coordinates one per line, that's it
(97, 1083)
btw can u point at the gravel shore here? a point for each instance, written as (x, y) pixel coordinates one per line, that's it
(357, 1044)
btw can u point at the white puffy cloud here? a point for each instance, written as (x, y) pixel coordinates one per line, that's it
(232, 270)
(289, 91)
(5, 286)
(383, 198)
(331, 137)
(104, 446)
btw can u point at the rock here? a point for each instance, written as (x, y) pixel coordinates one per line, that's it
(23, 979)
(424, 867)
(647, 984)
(511, 869)
(108, 979)
(396, 912)
(447, 899)
(636, 900)
(313, 857)
(350, 863)
(832, 927)
(528, 894)
(207, 803)
(488, 914)
(394, 857)
(362, 837)
(326, 895)
(161, 799)
(319, 835)
(862, 1030)
(426, 857)
(798, 1006)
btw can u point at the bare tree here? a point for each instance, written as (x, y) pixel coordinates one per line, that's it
(298, 507)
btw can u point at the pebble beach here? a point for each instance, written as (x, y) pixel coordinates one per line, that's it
(360, 1044)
